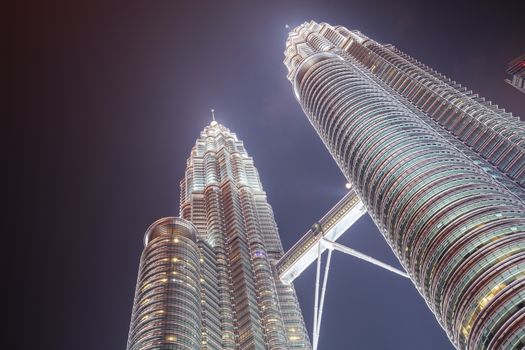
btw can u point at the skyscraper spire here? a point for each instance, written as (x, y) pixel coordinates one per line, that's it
(213, 122)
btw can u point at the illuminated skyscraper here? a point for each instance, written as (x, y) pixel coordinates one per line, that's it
(207, 280)
(440, 170)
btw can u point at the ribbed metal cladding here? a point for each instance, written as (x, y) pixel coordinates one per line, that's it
(458, 232)
(488, 131)
(167, 307)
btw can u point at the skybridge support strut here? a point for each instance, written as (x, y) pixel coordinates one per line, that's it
(353, 252)
(318, 304)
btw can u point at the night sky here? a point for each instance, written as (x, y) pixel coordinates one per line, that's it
(109, 101)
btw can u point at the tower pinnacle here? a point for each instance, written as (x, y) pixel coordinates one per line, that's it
(213, 122)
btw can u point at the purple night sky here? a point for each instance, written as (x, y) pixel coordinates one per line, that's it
(111, 98)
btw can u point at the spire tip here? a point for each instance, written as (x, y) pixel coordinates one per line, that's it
(213, 122)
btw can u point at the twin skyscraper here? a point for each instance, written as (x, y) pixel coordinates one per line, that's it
(440, 170)
(207, 279)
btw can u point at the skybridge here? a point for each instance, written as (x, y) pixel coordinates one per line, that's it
(319, 238)
(336, 222)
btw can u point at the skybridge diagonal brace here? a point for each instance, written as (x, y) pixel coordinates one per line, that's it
(318, 304)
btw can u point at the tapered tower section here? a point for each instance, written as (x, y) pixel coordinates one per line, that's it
(221, 194)
(440, 170)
